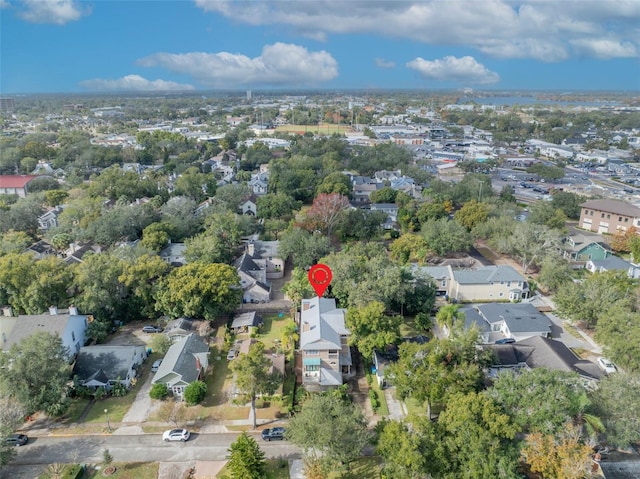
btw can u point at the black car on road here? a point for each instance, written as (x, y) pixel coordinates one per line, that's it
(273, 434)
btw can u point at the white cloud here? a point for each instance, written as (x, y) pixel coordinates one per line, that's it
(382, 63)
(134, 83)
(602, 48)
(279, 64)
(464, 70)
(4, 4)
(57, 12)
(546, 30)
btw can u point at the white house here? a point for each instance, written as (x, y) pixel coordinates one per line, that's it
(71, 327)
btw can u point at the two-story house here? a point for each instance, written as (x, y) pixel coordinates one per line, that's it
(496, 321)
(580, 247)
(489, 283)
(326, 356)
(70, 326)
(608, 216)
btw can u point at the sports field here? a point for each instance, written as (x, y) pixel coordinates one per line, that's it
(325, 129)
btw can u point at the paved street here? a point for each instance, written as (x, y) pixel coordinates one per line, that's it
(150, 447)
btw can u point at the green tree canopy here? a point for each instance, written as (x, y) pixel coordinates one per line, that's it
(304, 248)
(371, 329)
(329, 428)
(246, 459)
(430, 373)
(254, 376)
(199, 291)
(539, 400)
(35, 372)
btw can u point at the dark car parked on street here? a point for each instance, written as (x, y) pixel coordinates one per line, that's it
(17, 440)
(273, 434)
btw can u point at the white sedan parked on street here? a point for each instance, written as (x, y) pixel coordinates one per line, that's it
(176, 435)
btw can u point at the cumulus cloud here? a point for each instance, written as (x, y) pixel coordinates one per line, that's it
(278, 64)
(464, 70)
(602, 48)
(57, 12)
(134, 83)
(546, 30)
(382, 63)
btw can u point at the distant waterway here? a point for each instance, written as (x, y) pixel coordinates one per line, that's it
(532, 100)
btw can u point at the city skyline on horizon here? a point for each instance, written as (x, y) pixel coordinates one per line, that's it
(218, 45)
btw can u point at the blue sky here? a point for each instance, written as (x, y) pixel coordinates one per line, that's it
(153, 45)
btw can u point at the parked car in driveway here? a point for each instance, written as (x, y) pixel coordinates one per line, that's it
(151, 329)
(606, 365)
(17, 440)
(176, 435)
(273, 434)
(233, 353)
(156, 364)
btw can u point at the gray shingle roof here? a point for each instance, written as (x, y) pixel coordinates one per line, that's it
(104, 362)
(27, 325)
(612, 263)
(548, 353)
(519, 317)
(181, 359)
(487, 275)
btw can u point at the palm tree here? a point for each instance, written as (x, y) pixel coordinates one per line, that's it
(290, 335)
(588, 425)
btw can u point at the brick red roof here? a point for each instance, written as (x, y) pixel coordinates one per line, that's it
(15, 181)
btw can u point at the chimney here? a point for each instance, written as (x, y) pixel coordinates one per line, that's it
(53, 310)
(73, 311)
(198, 365)
(7, 311)
(251, 248)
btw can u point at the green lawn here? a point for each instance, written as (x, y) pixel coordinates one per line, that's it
(362, 468)
(117, 407)
(276, 469)
(271, 332)
(408, 328)
(383, 410)
(136, 470)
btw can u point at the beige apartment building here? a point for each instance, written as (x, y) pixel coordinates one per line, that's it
(608, 216)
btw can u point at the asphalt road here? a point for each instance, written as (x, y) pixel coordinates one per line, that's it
(147, 447)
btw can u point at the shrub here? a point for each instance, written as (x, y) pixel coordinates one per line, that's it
(159, 391)
(375, 403)
(119, 390)
(107, 458)
(195, 392)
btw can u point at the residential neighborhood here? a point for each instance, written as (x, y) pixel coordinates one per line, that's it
(154, 284)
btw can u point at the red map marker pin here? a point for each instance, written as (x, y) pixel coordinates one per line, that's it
(320, 276)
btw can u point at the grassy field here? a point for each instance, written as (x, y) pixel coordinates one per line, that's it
(326, 129)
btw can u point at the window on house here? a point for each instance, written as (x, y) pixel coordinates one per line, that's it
(601, 215)
(73, 336)
(591, 213)
(313, 352)
(619, 218)
(312, 368)
(608, 216)
(508, 284)
(501, 295)
(444, 282)
(626, 220)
